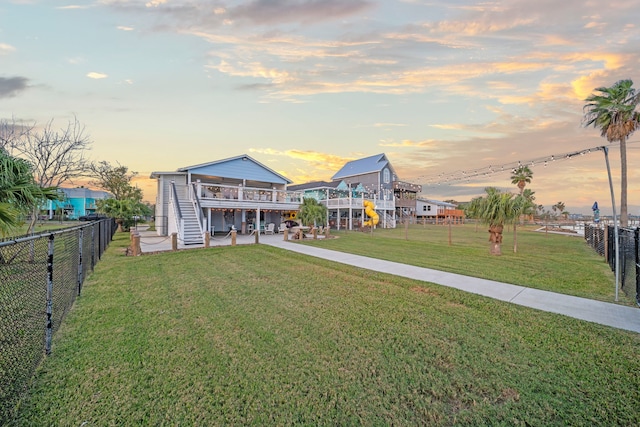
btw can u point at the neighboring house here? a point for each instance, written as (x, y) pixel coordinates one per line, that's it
(428, 209)
(406, 195)
(371, 178)
(76, 202)
(238, 192)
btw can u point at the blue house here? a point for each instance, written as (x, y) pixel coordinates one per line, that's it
(238, 192)
(76, 202)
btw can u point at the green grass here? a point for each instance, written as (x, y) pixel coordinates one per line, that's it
(551, 262)
(254, 335)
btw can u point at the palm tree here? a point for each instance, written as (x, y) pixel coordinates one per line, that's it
(613, 111)
(530, 206)
(19, 192)
(521, 177)
(496, 210)
(312, 212)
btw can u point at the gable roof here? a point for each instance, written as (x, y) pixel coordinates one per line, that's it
(363, 166)
(239, 167)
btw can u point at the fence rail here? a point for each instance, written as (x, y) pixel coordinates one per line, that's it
(602, 239)
(40, 277)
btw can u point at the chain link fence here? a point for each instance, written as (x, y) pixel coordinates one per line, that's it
(602, 239)
(40, 277)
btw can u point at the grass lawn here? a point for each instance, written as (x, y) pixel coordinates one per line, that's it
(254, 335)
(551, 262)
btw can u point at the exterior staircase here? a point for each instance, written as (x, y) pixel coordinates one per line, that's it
(191, 233)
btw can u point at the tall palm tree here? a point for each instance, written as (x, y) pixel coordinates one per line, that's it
(613, 111)
(521, 177)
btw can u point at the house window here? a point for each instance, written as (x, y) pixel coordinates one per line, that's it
(429, 207)
(424, 208)
(386, 176)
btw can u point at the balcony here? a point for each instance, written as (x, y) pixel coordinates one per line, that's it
(239, 197)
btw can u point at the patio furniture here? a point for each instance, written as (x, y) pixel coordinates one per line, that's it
(282, 227)
(270, 228)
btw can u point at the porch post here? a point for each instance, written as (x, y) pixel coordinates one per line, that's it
(350, 223)
(257, 228)
(209, 219)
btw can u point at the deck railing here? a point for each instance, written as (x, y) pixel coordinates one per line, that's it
(240, 193)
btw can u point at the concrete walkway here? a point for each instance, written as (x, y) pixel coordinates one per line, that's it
(609, 314)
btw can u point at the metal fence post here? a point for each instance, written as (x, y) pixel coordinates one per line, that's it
(93, 247)
(49, 327)
(80, 278)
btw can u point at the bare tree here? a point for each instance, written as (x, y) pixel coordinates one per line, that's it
(57, 156)
(12, 131)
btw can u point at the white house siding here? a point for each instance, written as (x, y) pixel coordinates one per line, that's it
(162, 200)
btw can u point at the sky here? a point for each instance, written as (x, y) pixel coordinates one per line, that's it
(441, 87)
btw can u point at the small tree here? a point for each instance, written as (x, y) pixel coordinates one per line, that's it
(312, 212)
(497, 209)
(116, 180)
(19, 193)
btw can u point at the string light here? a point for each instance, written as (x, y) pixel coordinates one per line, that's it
(466, 175)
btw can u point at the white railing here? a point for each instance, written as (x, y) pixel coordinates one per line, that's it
(196, 206)
(175, 209)
(357, 203)
(239, 193)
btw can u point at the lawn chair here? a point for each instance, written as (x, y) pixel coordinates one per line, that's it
(282, 227)
(270, 228)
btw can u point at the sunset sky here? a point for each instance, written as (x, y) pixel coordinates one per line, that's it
(303, 86)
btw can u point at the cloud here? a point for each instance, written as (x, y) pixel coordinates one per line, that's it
(6, 49)
(12, 86)
(124, 28)
(267, 12)
(315, 159)
(385, 125)
(97, 76)
(73, 7)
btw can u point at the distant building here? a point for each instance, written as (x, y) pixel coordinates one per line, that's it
(76, 202)
(429, 209)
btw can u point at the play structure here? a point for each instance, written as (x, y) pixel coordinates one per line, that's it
(369, 209)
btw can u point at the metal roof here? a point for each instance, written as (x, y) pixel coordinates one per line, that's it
(362, 166)
(239, 167)
(314, 185)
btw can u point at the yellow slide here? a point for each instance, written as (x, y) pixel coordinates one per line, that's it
(369, 209)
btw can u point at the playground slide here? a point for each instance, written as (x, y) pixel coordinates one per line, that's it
(369, 209)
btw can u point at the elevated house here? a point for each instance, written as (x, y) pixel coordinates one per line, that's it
(370, 179)
(238, 192)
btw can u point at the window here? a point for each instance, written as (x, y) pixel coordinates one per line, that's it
(429, 207)
(386, 176)
(424, 208)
